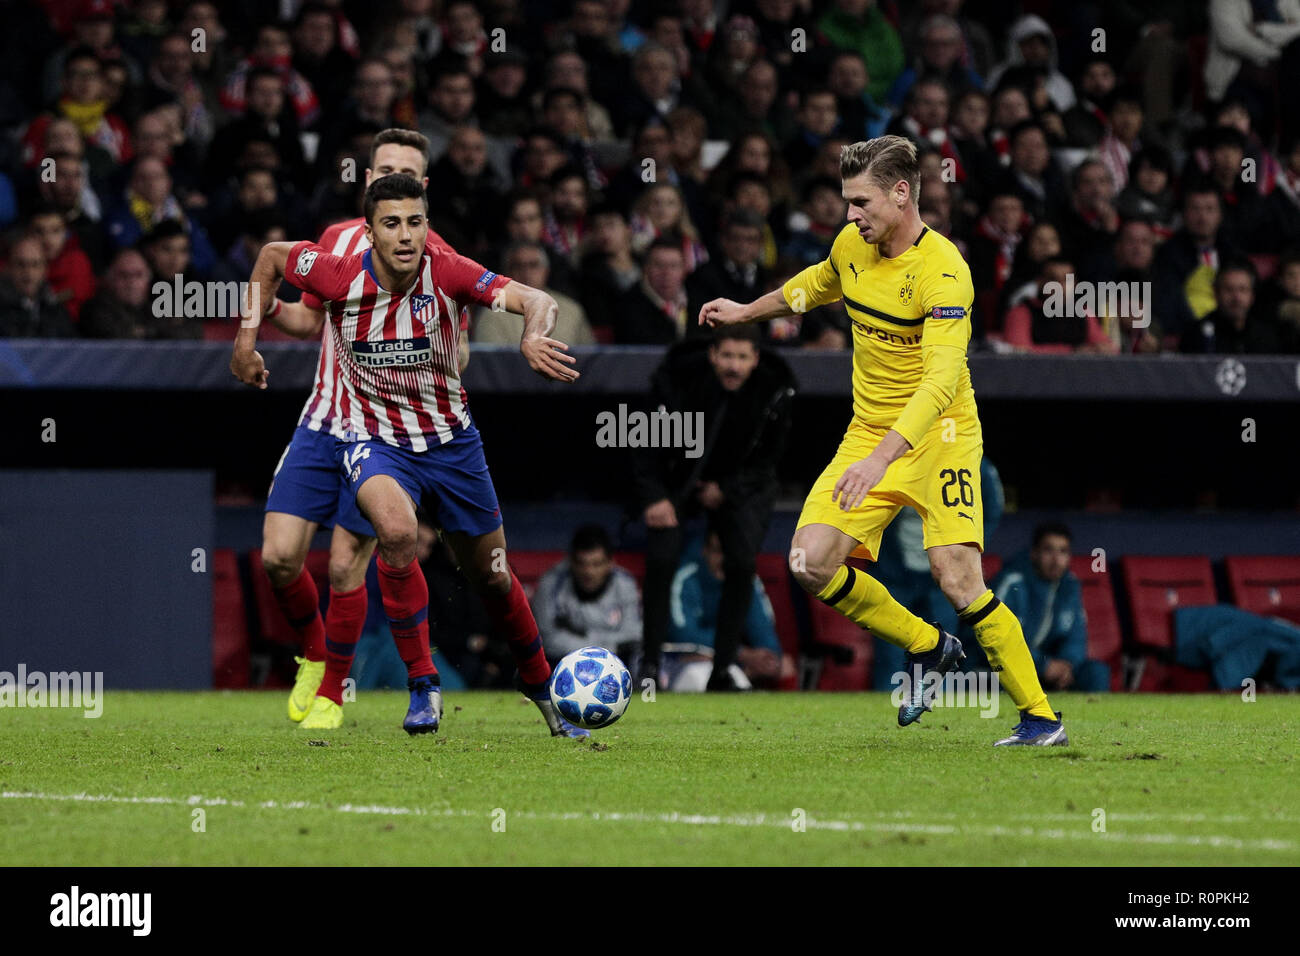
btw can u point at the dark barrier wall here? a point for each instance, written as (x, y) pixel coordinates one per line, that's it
(97, 573)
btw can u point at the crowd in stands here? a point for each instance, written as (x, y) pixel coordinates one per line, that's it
(639, 158)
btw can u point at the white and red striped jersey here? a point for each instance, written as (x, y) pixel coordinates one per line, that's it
(343, 239)
(397, 355)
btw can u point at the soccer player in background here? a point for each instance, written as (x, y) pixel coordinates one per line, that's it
(408, 438)
(307, 491)
(915, 438)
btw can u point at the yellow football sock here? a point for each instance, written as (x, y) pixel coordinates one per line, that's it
(999, 633)
(864, 600)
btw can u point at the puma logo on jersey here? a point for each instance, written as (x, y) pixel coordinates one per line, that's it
(962, 514)
(854, 270)
(948, 275)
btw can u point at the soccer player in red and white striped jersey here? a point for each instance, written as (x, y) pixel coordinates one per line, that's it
(408, 438)
(307, 491)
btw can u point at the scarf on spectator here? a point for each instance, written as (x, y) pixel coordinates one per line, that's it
(1006, 243)
(87, 116)
(675, 311)
(938, 137)
(148, 215)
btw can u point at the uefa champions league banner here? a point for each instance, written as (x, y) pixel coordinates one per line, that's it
(107, 583)
(204, 366)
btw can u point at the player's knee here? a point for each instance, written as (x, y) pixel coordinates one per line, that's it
(812, 572)
(282, 567)
(347, 573)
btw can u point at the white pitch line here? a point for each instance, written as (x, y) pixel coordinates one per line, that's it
(696, 819)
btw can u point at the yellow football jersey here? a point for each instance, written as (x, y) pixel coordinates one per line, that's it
(911, 327)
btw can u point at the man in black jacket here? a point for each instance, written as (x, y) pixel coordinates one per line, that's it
(744, 394)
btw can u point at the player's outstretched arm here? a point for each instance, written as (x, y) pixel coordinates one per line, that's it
(246, 362)
(545, 355)
(720, 312)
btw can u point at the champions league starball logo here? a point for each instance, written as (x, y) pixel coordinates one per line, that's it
(1230, 376)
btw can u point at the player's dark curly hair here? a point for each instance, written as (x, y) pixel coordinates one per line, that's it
(396, 186)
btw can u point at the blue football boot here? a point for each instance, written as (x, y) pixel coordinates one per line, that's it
(540, 694)
(1036, 732)
(943, 657)
(425, 712)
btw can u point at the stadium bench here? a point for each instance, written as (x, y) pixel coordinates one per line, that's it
(992, 564)
(1105, 640)
(775, 575)
(229, 622)
(832, 629)
(1155, 586)
(1265, 584)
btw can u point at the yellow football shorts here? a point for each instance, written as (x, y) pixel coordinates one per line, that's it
(940, 479)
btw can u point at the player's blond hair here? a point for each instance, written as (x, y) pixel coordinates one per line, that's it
(886, 159)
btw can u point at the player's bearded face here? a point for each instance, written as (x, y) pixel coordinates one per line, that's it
(397, 233)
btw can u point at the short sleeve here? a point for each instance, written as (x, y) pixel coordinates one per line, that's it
(315, 271)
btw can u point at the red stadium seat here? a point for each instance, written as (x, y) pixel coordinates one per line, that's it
(271, 623)
(775, 575)
(529, 566)
(229, 622)
(829, 626)
(1265, 266)
(1157, 585)
(633, 562)
(1105, 641)
(1266, 584)
(992, 564)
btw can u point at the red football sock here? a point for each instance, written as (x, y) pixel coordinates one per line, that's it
(513, 619)
(300, 602)
(406, 602)
(344, 620)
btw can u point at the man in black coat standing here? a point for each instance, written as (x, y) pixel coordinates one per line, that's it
(743, 394)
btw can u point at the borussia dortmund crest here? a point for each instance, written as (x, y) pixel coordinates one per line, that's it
(905, 291)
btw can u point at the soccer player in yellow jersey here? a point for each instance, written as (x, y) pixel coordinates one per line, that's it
(915, 437)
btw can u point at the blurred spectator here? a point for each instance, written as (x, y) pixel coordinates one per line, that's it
(69, 192)
(1047, 599)
(998, 235)
(1032, 46)
(1234, 327)
(653, 312)
(609, 269)
(822, 217)
(941, 48)
(660, 213)
(731, 479)
(588, 601)
(67, 269)
(121, 309)
(1050, 322)
(318, 55)
(656, 89)
(265, 118)
(1122, 140)
(1149, 194)
(527, 262)
(1089, 225)
(1245, 223)
(568, 70)
(1034, 174)
(463, 33)
(1286, 304)
(689, 129)
(732, 52)
(83, 100)
(468, 201)
(502, 96)
(92, 29)
(562, 111)
(1009, 109)
(978, 166)
(859, 25)
(818, 118)
(369, 102)
(566, 215)
(688, 656)
(525, 219)
(736, 273)
(201, 25)
(28, 306)
(1187, 262)
(861, 117)
(1133, 327)
(1088, 120)
(147, 203)
(273, 52)
(756, 106)
(1246, 39)
(259, 228)
(976, 45)
(1042, 242)
(171, 78)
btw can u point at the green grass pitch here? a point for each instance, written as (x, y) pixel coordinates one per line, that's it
(683, 780)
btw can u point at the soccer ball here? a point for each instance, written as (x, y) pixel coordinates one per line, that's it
(591, 687)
